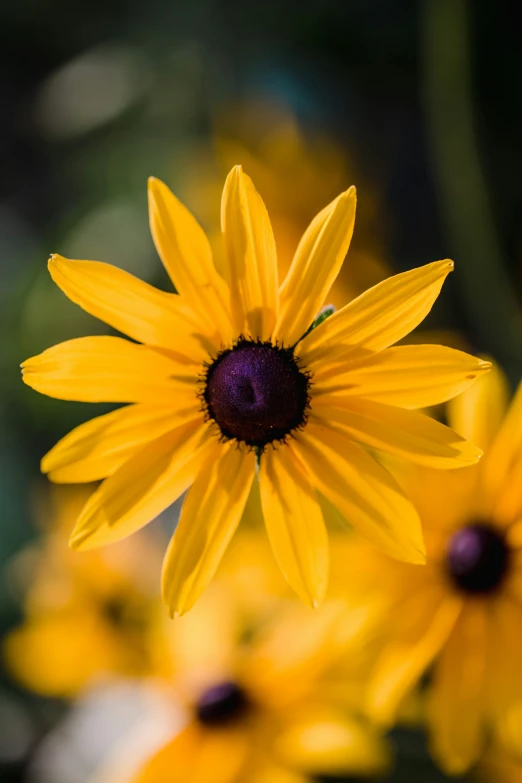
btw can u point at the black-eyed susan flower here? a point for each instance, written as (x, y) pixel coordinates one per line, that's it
(460, 617)
(84, 617)
(231, 372)
(263, 710)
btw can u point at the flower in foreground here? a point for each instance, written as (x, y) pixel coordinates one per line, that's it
(460, 617)
(230, 373)
(269, 710)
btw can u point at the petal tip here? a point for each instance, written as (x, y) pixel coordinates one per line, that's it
(421, 557)
(79, 539)
(155, 185)
(470, 455)
(236, 173)
(347, 197)
(74, 543)
(481, 368)
(175, 611)
(413, 556)
(26, 368)
(55, 262)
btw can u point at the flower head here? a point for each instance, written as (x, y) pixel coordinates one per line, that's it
(460, 616)
(239, 369)
(266, 709)
(87, 616)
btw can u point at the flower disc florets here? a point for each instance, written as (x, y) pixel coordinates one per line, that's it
(478, 558)
(221, 704)
(256, 393)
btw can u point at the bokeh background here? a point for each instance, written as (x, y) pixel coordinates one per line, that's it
(416, 102)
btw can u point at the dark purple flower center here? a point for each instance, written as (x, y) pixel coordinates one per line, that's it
(256, 393)
(478, 558)
(221, 704)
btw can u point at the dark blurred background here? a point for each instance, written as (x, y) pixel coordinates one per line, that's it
(417, 101)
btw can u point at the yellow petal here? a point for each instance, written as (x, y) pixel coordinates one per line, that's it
(294, 523)
(99, 447)
(420, 629)
(407, 434)
(410, 376)
(294, 651)
(478, 413)
(198, 755)
(315, 266)
(367, 495)
(456, 703)
(107, 369)
(143, 487)
(505, 451)
(131, 306)
(323, 741)
(209, 518)
(499, 766)
(266, 771)
(185, 251)
(60, 653)
(250, 255)
(507, 506)
(377, 318)
(504, 652)
(445, 500)
(202, 645)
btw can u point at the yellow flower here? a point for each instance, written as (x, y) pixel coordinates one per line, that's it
(462, 613)
(86, 616)
(230, 372)
(267, 710)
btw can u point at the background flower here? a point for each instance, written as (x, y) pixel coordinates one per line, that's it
(85, 617)
(456, 622)
(261, 694)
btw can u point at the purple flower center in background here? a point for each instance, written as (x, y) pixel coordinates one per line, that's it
(478, 558)
(221, 704)
(256, 393)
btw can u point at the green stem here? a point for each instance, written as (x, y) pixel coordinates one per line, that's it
(488, 294)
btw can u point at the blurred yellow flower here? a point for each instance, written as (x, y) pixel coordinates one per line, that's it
(462, 613)
(297, 171)
(242, 369)
(262, 710)
(87, 616)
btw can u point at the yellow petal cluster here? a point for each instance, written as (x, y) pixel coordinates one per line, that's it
(466, 636)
